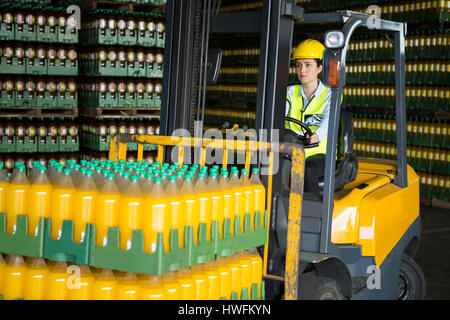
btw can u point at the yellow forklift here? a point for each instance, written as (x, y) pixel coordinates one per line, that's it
(357, 237)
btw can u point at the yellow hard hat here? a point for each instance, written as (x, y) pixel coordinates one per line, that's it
(309, 49)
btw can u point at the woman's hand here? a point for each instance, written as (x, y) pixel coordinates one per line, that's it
(312, 139)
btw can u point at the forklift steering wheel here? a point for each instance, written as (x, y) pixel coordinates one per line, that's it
(305, 130)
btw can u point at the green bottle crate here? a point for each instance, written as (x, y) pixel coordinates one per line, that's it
(95, 142)
(147, 39)
(126, 100)
(127, 38)
(137, 69)
(161, 262)
(99, 100)
(160, 40)
(13, 66)
(67, 35)
(153, 71)
(106, 69)
(46, 101)
(34, 67)
(65, 144)
(5, 34)
(94, 37)
(20, 243)
(7, 99)
(62, 68)
(29, 145)
(45, 144)
(44, 34)
(145, 100)
(7, 145)
(25, 99)
(156, 101)
(66, 100)
(25, 34)
(64, 248)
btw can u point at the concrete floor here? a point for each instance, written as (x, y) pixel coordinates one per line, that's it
(433, 255)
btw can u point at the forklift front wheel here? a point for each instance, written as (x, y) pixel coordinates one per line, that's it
(319, 288)
(411, 282)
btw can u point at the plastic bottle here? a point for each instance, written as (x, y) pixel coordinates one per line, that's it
(41, 192)
(130, 215)
(172, 286)
(14, 278)
(76, 175)
(236, 274)
(229, 200)
(174, 211)
(122, 182)
(191, 206)
(18, 199)
(249, 197)
(156, 217)
(246, 267)
(217, 201)
(34, 171)
(224, 278)
(62, 203)
(204, 204)
(129, 287)
(107, 213)
(57, 282)
(259, 192)
(83, 290)
(187, 289)
(105, 286)
(147, 183)
(36, 277)
(212, 278)
(84, 210)
(239, 198)
(153, 289)
(200, 279)
(257, 268)
(55, 174)
(4, 185)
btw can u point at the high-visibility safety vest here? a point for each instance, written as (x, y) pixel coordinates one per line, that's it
(310, 114)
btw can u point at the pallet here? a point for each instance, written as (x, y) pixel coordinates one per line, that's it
(38, 112)
(440, 204)
(125, 6)
(114, 113)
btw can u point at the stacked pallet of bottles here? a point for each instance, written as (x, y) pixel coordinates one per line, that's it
(370, 94)
(131, 230)
(122, 67)
(233, 99)
(38, 90)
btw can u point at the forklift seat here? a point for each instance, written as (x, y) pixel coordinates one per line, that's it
(346, 164)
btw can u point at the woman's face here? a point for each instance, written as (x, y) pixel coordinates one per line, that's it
(307, 70)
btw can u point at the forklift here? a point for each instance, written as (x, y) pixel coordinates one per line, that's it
(357, 238)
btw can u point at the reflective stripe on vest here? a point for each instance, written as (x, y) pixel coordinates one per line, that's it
(311, 115)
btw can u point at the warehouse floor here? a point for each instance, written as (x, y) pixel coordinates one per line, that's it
(433, 255)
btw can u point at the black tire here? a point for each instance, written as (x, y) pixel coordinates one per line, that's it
(318, 288)
(411, 282)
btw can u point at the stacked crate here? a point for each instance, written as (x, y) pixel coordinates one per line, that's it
(122, 67)
(38, 93)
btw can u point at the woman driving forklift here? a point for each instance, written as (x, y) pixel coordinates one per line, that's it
(309, 104)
